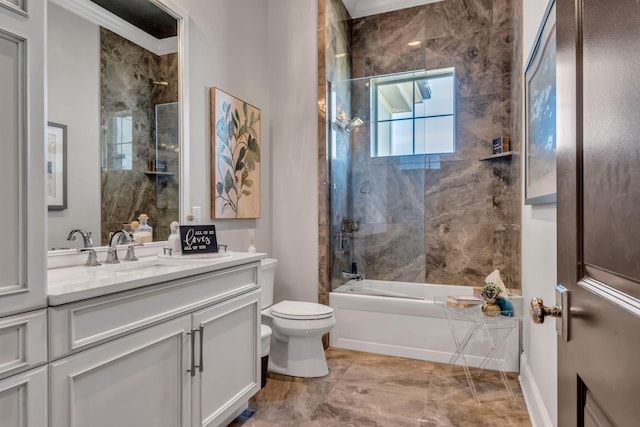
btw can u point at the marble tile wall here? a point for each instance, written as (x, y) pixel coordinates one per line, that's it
(450, 218)
(334, 64)
(126, 86)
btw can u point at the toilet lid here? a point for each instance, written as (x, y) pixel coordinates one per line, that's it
(301, 310)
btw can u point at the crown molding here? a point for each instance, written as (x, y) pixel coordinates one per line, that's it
(99, 16)
(362, 8)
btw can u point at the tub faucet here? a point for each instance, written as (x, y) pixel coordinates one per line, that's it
(351, 276)
(86, 237)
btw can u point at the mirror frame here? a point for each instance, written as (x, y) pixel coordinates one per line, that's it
(93, 13)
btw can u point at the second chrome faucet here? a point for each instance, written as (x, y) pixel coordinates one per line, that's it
(112, 250)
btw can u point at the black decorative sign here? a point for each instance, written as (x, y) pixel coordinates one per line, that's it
(197, 239)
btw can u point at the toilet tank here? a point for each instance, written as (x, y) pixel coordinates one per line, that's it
(267, 276)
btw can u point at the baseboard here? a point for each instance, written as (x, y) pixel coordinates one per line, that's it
(535, 405)
(511, 365)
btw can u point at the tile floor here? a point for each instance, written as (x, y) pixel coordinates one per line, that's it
(371, 390)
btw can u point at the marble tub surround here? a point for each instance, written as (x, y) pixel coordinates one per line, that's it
(127, 88)
(370, 390)
(447, 218)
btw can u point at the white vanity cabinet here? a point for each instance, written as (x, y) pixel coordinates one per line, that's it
(180, 353)
(23, 399)
(23, 356)
(229, 367)
(22, 164)
(137, 380)
(23, 370)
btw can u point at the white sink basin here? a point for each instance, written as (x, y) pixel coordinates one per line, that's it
(123, 266)
(202, 258)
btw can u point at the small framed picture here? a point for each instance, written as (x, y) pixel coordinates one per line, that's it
(56, 172)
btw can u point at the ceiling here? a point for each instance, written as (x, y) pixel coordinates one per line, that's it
(144, 15)
(360, 8)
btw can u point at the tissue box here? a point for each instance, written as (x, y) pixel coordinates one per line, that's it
(518, 304)
(515, 303)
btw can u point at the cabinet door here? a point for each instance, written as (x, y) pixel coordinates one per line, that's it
(22, 121)
(229, 371)
(137, 380)
(23, 399)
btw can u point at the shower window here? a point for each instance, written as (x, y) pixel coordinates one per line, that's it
(413, 113)
(119, 151)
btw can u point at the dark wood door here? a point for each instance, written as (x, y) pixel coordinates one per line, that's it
(598, 147)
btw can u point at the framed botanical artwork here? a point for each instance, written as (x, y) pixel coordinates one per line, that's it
(56, 166)
(235, 157)
(540, 115)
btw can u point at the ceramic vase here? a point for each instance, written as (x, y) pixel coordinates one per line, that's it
(490, 308)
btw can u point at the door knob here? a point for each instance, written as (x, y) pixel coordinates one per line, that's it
(539, 311)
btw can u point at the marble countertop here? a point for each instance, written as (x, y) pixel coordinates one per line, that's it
(75, 283)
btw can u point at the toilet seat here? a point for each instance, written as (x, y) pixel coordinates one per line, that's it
(299, 310)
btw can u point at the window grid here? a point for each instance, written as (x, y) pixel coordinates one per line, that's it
(376, 149)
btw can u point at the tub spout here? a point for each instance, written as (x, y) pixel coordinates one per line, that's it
(351, 276)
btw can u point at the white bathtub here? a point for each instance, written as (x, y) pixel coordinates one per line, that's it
(401, 319)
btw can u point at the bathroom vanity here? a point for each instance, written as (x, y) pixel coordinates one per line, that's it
(160, 341)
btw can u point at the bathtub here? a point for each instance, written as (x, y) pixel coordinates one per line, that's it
(401, 319)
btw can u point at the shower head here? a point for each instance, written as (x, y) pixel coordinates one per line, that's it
(343, 121)
(354, 123)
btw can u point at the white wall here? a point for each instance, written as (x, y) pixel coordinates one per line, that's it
(227, 49)
(74, 100)
(293, 71)
(539, 275)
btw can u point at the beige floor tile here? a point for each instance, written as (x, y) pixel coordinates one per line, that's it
(289, 402)
(369, 390)
(365, 407)
(391, 374)
(338, 361)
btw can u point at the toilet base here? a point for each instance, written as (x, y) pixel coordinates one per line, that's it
(299, 357)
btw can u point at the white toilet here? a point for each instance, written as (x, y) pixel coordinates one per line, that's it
(297, 329)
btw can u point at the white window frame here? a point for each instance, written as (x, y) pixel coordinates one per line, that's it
(399, 78)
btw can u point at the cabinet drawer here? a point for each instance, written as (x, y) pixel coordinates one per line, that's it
(23, 342)
(86, 323)
(23, 399)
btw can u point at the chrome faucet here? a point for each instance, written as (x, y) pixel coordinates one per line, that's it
(112, 252)
(87, 242)
(131, 255)
(86, 237)
(92, 260)
(351, 276)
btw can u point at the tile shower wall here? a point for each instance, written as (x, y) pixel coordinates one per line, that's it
(334, 62)
(451, 218)
(128, 73)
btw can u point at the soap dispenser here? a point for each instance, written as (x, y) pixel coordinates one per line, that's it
(144, 233)
(174, 239)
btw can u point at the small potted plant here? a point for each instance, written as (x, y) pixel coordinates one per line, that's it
(489, 293)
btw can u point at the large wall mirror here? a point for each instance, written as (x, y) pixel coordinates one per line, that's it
(114, 84)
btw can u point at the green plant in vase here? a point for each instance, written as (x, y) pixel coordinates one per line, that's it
(489, 293)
